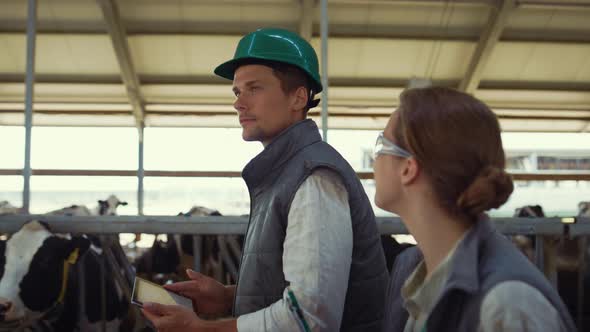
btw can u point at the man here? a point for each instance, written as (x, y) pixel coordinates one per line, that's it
(312, 233)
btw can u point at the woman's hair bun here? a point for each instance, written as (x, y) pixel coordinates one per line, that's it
(489, 190)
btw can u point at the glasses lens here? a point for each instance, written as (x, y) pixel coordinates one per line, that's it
(384, 146)
(378, 146)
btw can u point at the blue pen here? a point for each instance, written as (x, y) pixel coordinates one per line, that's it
(294, 306)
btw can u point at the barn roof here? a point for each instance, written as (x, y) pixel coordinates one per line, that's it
(118, 63)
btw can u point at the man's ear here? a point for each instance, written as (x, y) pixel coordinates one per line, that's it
(299, 98)
(410, 171)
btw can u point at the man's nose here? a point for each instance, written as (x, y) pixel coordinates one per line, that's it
(239, 105)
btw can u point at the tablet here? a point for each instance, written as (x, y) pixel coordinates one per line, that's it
(147, 291)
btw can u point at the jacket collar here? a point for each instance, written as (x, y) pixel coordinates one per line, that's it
(464, 271)
(280, 150)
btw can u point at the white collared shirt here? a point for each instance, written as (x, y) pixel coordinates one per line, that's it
(316, 258)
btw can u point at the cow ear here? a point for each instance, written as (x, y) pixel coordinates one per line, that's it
(123, 203)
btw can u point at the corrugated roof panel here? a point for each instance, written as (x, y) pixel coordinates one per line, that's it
(66, 93)
(556, 62)
(75, 54)
(207, 52)
(340, 65)
(159, 55)
(180, 54)
(55, 11)
(394, 59)
(543, 19)
(507, 61)
(185, 13)
(13, 56)
(451, 59)
(445, 14)
(526, 61)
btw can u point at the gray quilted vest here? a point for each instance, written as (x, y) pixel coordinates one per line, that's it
(273, 177)
(482, 260)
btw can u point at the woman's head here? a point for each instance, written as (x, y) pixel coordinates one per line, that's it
(456, 144)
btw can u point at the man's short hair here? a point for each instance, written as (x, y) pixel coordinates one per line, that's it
(291, 78)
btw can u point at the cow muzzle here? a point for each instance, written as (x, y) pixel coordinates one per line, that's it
(8, 312)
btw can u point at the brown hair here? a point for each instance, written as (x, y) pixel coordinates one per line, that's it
(291, 78)
(456, 140)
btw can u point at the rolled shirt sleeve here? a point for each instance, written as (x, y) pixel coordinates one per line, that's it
(514, 306)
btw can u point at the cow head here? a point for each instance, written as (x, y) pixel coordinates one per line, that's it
(7, 208)
(201, 211)
(535, 211)
(109, 206)
(31, 272)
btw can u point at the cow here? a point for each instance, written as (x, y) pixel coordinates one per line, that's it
(109, 206)
(167, 261)
(41, 287)
(106, 207)
(563, 263)
(392, 248)
(7, 208)
(220, 254)
(526, 243)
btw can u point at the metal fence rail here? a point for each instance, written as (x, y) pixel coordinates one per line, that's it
(237, 225)
(518, 176)
(541, 228)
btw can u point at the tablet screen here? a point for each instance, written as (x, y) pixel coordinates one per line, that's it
(147, 291)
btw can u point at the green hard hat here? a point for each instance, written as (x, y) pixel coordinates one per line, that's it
(276, 45)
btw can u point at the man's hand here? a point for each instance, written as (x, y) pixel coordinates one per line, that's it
(210, 297)
(172, 318)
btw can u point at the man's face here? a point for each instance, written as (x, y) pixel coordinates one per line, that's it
(264, 110)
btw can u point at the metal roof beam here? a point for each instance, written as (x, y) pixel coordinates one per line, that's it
(489, 38)
(306, 19)
(337, 30)
(128, 74)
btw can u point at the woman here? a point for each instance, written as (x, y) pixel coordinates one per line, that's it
(439, 166)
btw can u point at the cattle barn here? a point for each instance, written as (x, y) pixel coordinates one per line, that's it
(122, 151)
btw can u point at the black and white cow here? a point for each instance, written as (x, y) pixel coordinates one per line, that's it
(563, 264)
(106, 207)
(109, 206)
(220, 254)
(34, 271)
(7, 208)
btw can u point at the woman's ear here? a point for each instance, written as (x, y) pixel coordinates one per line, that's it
(410, 171)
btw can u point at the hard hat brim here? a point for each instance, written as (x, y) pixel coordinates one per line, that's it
(228, 69)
